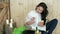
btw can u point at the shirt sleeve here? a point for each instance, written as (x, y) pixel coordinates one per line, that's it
(29, 16)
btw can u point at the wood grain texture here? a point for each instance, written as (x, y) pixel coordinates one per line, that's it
(3, 16)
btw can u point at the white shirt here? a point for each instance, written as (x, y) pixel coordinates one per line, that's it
(37, 17)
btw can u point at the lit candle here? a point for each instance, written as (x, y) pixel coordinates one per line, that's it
(11, 20)
(11, 23)
(7, 21)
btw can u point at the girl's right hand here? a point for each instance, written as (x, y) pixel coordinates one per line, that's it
(31, 21)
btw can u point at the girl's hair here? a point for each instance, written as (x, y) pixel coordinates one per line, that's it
(45, 11)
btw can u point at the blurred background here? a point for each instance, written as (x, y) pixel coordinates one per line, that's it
(18, 9)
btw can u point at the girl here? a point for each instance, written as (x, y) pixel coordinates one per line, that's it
(40, 13)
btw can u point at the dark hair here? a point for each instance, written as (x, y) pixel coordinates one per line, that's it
(45, 11)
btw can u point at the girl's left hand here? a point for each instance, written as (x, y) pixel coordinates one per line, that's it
(40, 24)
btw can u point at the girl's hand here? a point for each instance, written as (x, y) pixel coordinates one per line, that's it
(31, 21)
(40, 24)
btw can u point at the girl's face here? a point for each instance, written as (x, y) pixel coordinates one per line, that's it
(39, 9)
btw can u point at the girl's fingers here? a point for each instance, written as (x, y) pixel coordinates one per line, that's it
(32, 18)
(40, 24)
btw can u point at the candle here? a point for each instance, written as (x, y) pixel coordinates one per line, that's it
(11, 23)
(7, 21)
